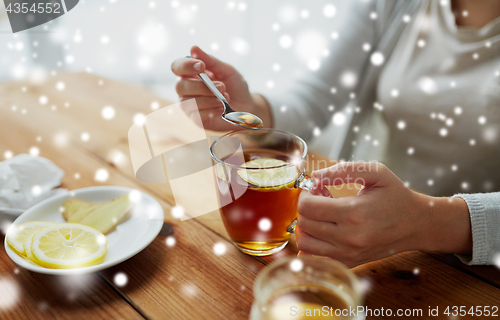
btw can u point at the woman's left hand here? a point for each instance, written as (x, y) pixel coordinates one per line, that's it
(383, 219)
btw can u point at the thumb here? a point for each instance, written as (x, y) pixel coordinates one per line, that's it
(303, 253)
(221, 69)
(364, 173)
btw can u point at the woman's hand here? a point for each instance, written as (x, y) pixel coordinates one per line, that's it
(229, 82)
(385, 217)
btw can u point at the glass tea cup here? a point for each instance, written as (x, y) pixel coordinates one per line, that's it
(306, 287)
(259, 175)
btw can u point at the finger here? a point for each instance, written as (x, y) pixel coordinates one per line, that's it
(218, 67)
(327, 209)
(211, 104)
(364, 173)
(321, 190)
(195, 87)
(209, 73)
(225, 94)
(203, 102)
(314, 246)
(303, 253)
(323, 230)
(187, 66)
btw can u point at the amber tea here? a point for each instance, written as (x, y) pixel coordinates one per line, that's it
(307, 301)
(259, 176)
(261, 202)
(306, 287)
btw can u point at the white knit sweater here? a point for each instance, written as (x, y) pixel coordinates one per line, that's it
(484, 209)
(426, 152)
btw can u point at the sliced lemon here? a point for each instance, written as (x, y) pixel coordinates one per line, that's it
(279, 175)
(18, 235)
(68, 245)
(27, 249)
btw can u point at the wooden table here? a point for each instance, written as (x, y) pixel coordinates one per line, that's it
(186, 281)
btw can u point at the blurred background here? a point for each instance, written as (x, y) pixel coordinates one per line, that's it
(269, 42)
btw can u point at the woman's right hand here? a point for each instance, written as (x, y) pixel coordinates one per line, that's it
(229, 82)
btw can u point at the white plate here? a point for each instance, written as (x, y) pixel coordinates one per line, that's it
(135, 232)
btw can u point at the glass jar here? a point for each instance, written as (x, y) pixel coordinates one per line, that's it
(306, 287)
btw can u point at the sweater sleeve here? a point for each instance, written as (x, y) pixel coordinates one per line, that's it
(484, 210)
(305, 105)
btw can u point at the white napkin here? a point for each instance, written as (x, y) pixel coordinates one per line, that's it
(24, 181)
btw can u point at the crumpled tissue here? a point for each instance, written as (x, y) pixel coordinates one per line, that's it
(24, 181)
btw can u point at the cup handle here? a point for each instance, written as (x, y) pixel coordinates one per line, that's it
(303, 182)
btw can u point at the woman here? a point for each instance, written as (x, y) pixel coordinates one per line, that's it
(432, 74)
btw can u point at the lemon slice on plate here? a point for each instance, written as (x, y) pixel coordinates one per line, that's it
(68, 245)
(275, 174)
(18, 235)
(27, 248)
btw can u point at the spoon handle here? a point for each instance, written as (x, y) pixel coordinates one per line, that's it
(203, 76)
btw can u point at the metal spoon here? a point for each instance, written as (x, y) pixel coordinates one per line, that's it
(242, 119)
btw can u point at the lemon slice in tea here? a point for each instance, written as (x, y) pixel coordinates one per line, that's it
(68, 245)
(18, 235)
(275, 174)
